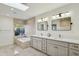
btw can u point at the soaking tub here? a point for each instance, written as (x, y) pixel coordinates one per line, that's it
(23, 42)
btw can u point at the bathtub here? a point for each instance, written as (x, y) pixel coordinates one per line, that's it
(23, 42)
(25, 39)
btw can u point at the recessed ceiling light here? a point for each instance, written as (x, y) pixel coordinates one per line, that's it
(17, 6)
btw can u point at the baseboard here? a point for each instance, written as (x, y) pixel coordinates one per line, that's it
(6, 45)
(40, 51)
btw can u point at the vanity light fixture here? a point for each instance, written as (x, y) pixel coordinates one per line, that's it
(68, 14)
(57, 16)
(39, 20)
(43, 19)
(61, 15)
(54, 17)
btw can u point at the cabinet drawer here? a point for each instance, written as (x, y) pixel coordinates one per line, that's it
(74, 46)
(73, 52)
(52, 50)
(57, 42)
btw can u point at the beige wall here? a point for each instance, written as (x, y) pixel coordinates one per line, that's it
(74, 33)
(30, 26)
(18, 22)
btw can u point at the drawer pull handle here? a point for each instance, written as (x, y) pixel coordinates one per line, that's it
(75, 53)
(55, 47)
(75, 46)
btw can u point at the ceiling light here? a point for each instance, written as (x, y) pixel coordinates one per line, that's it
(17, 6)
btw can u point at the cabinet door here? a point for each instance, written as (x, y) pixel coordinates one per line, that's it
(35, 43)
(31, 41)
(73, 52)
(39, 44)
(44, 45)
(52, 50)
(62, 51)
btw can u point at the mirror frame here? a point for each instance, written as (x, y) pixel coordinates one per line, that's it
(54, 26)
(44, 25)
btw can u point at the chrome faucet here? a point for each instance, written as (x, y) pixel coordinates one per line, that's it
(41, 34)
(48, 34)
(59, 35)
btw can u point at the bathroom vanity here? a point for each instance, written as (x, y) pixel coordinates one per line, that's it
(55, 46)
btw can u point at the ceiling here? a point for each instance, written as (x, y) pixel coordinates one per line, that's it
(34, 10)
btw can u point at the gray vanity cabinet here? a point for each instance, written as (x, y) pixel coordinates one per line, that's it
(73, 52)
(74, 49)
(52, 49)
(39, 44)
(36, 43)
(55, 49)
(62, 51)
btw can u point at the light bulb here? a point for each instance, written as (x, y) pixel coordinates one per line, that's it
(54, 17)
(45, 19)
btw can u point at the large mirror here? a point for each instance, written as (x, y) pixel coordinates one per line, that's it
(42, 26)
(62, 24)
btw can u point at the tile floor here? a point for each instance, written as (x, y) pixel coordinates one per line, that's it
(14, 50)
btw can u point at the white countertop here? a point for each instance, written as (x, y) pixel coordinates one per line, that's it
(44, 37)
(76, 41)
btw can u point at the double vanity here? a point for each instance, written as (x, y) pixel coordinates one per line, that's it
(55, 46)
